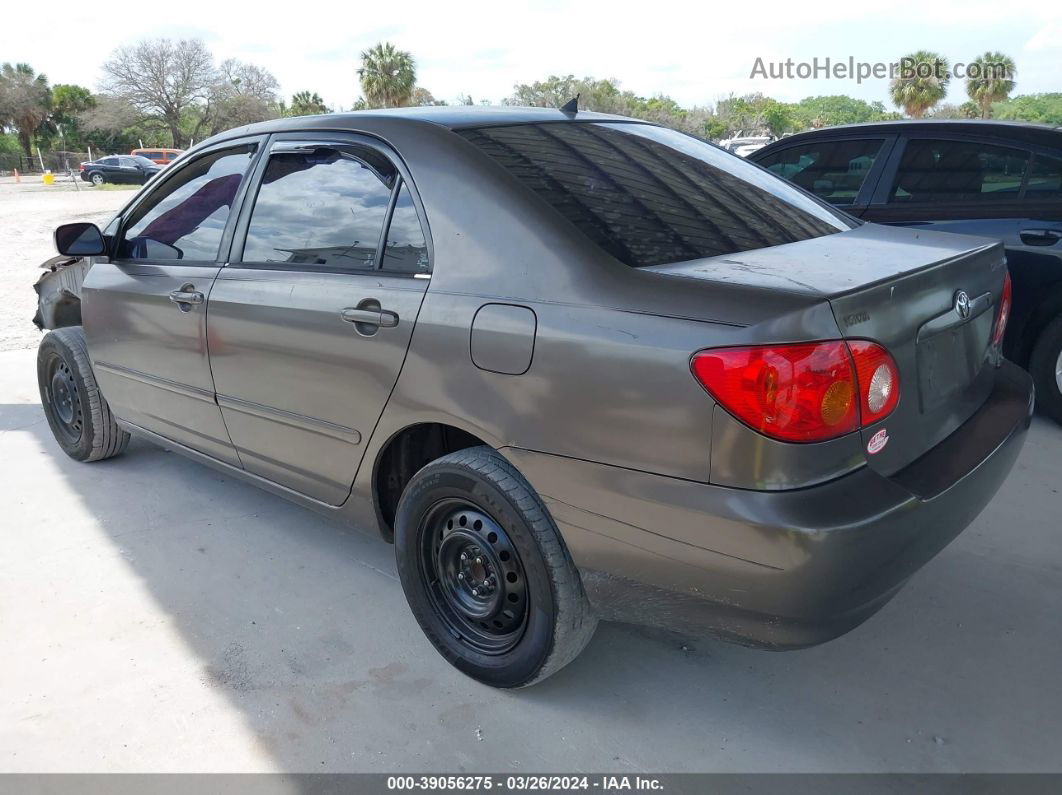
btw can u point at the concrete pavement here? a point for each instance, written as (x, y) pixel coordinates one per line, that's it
(157, 616)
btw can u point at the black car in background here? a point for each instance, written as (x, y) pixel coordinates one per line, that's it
(1000, 179)
(130, 169)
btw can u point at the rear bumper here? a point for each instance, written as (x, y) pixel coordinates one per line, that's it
(776, 569)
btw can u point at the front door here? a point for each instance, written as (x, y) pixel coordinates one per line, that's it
(310, 322)
(144, 310)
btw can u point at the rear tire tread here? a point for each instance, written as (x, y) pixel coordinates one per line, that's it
(1042, 364)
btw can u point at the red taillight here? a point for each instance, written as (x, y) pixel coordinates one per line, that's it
(1003, 313)
(804, 392)
(82, 167)
(878, 379)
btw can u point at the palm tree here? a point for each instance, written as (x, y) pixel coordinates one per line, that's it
(25, 101)
(990, 79)
(306, 103)
(387, 76)
(921, 82)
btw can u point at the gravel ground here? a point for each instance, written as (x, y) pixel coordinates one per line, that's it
(30, 212)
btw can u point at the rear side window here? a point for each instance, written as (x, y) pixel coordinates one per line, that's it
(958, 171)
(1045, 179)
(184, 217)
(832, 170)
(323, 210)
(109, 161)
(405, 250)
(649, 195)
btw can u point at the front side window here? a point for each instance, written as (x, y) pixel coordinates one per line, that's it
(649, 195)
(832, 170)
(323, 210)
(185, 216)
(958, 171)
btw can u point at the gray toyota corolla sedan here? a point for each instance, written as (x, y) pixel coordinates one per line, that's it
(573, 366)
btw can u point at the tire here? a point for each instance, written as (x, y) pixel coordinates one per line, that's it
(96, 178)
(1045, 365)
(534, 618)
(80, 419)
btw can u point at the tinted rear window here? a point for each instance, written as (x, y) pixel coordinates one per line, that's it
(649, 195)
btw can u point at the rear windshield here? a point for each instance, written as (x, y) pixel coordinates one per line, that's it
(651, 196)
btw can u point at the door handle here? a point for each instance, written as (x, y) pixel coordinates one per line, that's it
(186, 297)
(1040, 237)
(380, 318)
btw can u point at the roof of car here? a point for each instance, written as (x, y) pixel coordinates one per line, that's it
(452, 116)
(1028, 132)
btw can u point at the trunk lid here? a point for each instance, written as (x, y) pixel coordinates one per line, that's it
(898, 288)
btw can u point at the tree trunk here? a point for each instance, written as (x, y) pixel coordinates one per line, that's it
(24, 139)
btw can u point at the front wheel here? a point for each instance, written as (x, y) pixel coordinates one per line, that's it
(1045, 365)
(486, 573)
(77, 412)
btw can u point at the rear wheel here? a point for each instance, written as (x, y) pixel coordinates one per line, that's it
(1045, 365)
(96, 178)
(78, 414)
(486, 573)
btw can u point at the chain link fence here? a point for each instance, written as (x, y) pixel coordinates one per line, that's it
(58, 162)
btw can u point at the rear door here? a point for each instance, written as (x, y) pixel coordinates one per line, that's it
(128, 170)
(842, 171)
(144, 310)
(310, 321)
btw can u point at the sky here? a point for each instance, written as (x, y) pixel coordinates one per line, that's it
(697, 53)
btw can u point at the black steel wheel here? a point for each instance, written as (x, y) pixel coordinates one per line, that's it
(77, 412)
(486, 572)
(63, 396)
(476, 581)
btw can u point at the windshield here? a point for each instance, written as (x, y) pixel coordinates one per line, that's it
(649, 195)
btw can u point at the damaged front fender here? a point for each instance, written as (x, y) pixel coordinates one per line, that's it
(59, 292)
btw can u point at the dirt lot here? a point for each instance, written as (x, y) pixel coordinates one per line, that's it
(30, 211)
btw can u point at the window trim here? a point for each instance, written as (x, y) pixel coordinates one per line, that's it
(174, 173)
(870, 182)
(340, 140)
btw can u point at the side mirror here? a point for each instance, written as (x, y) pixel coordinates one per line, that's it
(80, 240)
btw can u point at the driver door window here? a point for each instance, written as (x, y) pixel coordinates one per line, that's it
(185, 216)
(832, 170)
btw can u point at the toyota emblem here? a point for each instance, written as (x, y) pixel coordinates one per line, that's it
(962, 304)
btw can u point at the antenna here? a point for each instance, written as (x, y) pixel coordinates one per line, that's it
(572, 105)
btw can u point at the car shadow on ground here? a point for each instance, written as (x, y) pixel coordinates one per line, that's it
(302, 625)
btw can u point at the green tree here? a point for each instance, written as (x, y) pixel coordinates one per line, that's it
(989, 79)
(306, 103)
(422, 97)
(387, 76)
(827, 111)
(25, 101)
(1042, 108)
(68, 103)
(921, 82)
